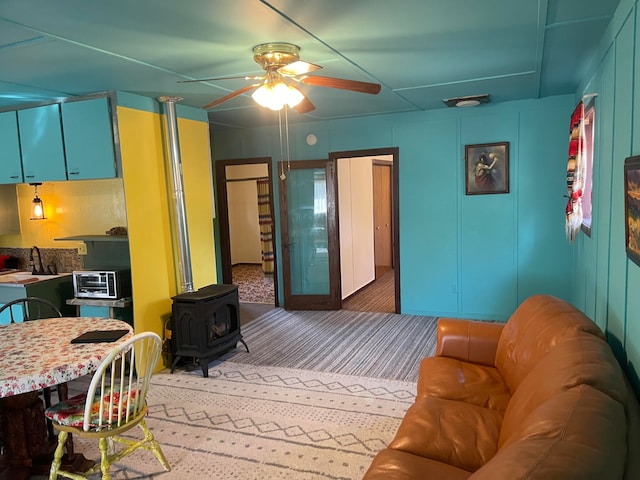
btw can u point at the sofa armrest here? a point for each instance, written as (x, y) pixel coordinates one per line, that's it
(468, 340)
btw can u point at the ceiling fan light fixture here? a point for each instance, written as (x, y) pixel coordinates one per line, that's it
(293, 96)
(277, 96)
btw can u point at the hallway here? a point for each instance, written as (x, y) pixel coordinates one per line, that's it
(378, 296)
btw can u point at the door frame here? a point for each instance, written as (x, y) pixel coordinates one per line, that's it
(223, 217)
(332, 301)
(395, 208)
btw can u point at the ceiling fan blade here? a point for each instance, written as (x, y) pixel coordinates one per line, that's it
(305, 106)
(298, 68)
(240, 91)
(342, 84)
(221, 78)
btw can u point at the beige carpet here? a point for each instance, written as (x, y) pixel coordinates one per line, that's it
(255, 422)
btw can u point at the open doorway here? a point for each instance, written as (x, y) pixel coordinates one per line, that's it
(368, 218)
(246, 220)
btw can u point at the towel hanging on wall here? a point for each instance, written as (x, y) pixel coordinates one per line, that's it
(575, 173)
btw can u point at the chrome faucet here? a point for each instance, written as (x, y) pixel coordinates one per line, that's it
(32, 262)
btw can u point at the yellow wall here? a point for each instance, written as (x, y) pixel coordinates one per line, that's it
(148, 202)
(140, 201)
(80, 207)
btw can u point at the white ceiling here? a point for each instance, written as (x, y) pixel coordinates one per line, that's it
(420, 51)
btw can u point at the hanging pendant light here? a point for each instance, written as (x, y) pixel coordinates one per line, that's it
(37, 205)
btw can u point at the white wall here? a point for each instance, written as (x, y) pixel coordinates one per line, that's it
(355, 209)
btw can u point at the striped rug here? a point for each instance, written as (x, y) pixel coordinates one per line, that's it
(368, 344)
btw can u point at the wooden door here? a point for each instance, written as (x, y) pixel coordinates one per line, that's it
(310, 239)
(382, 216)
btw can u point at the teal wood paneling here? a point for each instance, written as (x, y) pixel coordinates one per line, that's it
(602, 190)
(587, 245)
(632, 334)
(88, 139)
(617, 305)
(487, 228)
(455, 259)
(623, 114)
(151, 105)
(137, 102)
(11, 162)
(373, 132)
(428, 216)
(41, 144)
(539, 188)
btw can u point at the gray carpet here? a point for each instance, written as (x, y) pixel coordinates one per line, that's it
(378, 345)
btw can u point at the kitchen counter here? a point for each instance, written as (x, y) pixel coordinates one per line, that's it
(21, 278)
(55, 288)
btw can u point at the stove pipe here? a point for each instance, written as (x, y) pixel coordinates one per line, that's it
(179, 216)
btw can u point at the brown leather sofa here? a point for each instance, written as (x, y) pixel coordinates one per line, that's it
(541, 397)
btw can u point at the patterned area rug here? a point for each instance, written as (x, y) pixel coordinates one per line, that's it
(254, 422)
(253, 285)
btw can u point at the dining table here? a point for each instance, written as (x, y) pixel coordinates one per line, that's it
(34, 355)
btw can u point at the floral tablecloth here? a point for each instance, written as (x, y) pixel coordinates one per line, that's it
(39, 353)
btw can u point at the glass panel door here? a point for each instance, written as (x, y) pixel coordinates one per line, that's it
(309, 236)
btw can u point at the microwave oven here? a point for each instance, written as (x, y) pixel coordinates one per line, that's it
(104, 284)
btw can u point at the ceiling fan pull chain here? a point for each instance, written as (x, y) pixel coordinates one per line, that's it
(286, 123)
(282, 174)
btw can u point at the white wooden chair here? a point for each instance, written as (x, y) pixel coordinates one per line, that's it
(114, 403)
(29, 308)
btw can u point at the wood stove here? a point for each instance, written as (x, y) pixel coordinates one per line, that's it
(205, 323)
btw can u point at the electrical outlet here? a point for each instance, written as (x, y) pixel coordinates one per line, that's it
(82, 249)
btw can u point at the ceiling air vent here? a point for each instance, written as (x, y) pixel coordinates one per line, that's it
(470, 101)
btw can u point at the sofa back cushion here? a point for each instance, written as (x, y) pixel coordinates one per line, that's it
(575, 435)
(581, 360)
(533, 330)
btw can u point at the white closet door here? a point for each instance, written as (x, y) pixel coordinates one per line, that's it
(355, 197)
(346, 237)
(364, 270)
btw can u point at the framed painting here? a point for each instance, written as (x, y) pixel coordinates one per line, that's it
(486, 168)
(632, 207)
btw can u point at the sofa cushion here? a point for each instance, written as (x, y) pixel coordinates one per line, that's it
(453, 379)
(457, 433)
(533, 330)
(582, 360)
(575, 435)
(392, 464)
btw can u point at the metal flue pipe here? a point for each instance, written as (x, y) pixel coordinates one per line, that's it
(179, 224)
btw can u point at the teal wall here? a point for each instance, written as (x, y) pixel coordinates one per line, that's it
(606, 282)
(480, 256)
(473, 256)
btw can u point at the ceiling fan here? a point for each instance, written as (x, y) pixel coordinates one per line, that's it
(283, 69)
